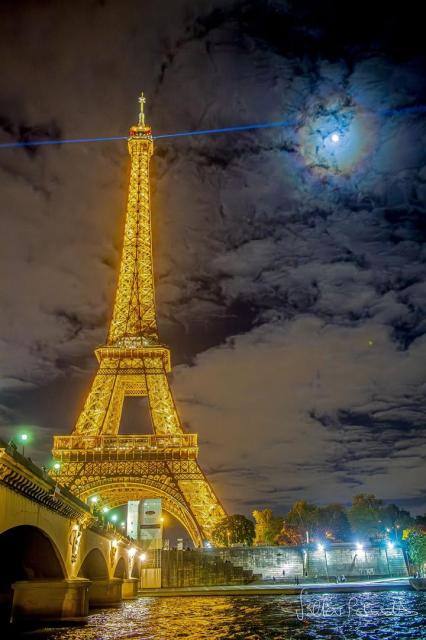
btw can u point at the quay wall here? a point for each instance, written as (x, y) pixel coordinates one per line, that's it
(283, 563)
(241, 565)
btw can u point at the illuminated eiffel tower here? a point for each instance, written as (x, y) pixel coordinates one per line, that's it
(95, 460)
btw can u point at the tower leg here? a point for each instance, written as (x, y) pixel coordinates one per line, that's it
(165, 419)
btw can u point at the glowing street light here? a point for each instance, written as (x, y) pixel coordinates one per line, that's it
(24, 439)
(321, 548)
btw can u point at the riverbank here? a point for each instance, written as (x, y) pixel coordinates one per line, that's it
(391, 584)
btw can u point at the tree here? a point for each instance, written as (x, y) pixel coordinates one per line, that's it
(395, 520)
(334, 523)
(416, 543)
(236, 529)
(421, 520)
(365, 516)
(290, 535)
(267, 526)
(304, 517)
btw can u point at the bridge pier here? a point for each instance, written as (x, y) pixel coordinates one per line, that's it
(129, 589)
(105, 593)
(36, 601)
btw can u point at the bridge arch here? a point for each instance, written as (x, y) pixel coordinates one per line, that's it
(136, 570)
(94, 566)
(120, 569)
(120, 492)
(27, 553)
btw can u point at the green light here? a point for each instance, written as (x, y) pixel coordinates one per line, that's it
(94, 499)
(57, 466)
(114, 518)
(24, 438)
(105, 509)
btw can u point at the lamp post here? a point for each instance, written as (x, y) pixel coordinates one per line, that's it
(23, 437)
(163, 534)
(56, 467)
(387, 560)
(322, 548)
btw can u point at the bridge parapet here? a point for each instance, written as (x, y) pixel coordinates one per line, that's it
(22, 476)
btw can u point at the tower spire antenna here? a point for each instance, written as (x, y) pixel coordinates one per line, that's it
(142, 101)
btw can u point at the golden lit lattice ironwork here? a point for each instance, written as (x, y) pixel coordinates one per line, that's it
(95, 459)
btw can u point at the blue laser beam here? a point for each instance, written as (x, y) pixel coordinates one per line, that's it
(244, 127)
(178, 134)
(197, 132)
(39, 143)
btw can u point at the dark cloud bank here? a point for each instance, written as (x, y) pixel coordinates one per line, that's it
(291, 275)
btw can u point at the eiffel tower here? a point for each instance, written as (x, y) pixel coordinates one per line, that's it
(95, 459)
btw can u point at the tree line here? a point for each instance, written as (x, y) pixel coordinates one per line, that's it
(367, 519)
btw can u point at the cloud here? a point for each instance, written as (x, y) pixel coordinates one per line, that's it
(310, 404)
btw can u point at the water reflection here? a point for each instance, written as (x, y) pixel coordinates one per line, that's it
(372, 616)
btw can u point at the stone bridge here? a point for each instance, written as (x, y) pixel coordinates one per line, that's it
(57, 559)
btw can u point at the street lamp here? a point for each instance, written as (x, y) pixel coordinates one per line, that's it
(56, 467)
(163, 531)
(322, 548)
(24, 438)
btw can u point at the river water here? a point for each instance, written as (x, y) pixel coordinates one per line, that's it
(362, 616)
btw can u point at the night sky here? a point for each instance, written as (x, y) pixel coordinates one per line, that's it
(290, 268)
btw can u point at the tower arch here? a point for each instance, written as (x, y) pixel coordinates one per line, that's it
(116, 494)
